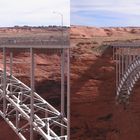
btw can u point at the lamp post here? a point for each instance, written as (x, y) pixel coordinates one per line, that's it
(62, 72)
(62, 22)
(61, 15)
(63, 80)
(62, 69)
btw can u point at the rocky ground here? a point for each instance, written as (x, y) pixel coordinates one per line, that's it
(94, 112)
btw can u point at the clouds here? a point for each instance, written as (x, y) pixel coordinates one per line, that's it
(106, 12)
(33, 12)
(83, 12)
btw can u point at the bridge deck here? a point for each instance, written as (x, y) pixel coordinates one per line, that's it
(36, 44)
(125, 44)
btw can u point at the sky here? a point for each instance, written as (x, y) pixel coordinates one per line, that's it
(105, 13)
(34, 12)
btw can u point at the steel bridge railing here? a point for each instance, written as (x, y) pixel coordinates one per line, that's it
(127, 58)
(128, 80)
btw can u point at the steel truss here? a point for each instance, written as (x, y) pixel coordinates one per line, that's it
(127, 57)
(26, 112)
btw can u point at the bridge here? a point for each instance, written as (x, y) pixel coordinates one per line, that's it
(25, 111)
(127, 57)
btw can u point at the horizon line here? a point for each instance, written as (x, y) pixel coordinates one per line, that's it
(129, 26)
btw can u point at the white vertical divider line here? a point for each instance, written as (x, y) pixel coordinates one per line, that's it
(32, 92)
(4, 80)
(63, 82)
(62, 86)
(68, 93)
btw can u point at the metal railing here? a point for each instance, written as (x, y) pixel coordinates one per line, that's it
(127, 59)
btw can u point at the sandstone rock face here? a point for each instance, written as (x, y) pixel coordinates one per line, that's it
(91, 32)
(87, 32)
(94, 113)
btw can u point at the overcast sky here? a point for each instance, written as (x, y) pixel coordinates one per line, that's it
(105, 12)
(34, 12)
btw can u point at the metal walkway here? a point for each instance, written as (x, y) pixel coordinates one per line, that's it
(27, 113)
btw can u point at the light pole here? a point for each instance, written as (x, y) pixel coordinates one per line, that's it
(61, 15)
(62, 23)
(62, 73)
(62, 68)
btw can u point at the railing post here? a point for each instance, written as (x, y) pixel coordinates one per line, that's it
(117, 61)
(11, 63)
(4, 80)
